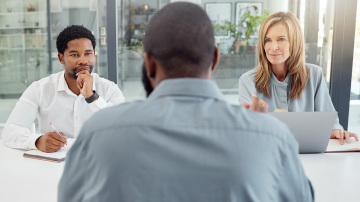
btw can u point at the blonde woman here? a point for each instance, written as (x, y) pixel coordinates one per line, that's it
(282, 79)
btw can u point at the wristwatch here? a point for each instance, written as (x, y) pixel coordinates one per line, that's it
(92, 98)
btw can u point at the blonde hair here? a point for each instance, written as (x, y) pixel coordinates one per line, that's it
(296, 61)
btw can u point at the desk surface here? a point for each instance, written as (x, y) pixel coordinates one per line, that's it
(335, 176)
(24, 179)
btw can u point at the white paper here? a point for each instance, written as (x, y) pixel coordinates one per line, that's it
(55, 155)
(334, 145)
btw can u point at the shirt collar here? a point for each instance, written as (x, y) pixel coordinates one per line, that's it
(62, 85)
(276, 82)
(187, 87)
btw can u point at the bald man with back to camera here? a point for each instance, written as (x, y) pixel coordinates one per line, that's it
(184, 142)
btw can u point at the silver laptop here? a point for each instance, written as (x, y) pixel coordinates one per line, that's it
(312, 130)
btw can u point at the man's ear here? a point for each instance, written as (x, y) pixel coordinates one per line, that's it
(154, 70)
(61, 58)
(216, 58)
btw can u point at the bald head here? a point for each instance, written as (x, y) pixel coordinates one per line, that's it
(181, 37)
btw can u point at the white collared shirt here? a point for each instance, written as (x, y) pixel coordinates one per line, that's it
(51, 100)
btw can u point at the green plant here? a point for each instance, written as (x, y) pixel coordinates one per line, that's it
(135, 44)
(253, 22)
(232, 28)
(31, 8)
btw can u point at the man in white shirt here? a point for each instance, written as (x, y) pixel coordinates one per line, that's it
(66, 99)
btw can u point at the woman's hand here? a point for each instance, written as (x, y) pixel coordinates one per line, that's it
(342, 134)
(258, 105)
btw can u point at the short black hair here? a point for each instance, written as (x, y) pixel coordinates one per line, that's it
(73, 32)
(181, 37)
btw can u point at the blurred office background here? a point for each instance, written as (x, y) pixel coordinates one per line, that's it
(28, 30)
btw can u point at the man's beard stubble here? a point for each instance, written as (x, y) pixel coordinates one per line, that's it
(146, 82)
(72, 73)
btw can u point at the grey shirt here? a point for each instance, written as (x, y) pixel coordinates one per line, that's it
(184, 143)
(315, 96)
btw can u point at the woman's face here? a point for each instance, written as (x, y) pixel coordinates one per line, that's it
(277, 44)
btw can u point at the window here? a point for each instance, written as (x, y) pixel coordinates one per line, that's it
(134, 15)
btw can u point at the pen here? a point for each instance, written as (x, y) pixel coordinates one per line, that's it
(52, 125)
(55, 129)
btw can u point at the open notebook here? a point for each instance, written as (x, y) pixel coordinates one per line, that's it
(334, 146)
(58, 156)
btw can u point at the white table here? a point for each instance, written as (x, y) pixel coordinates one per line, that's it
(335, 176)
(23, 179)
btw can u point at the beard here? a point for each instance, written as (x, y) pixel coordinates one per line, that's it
(146, 82)
(72, 73)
